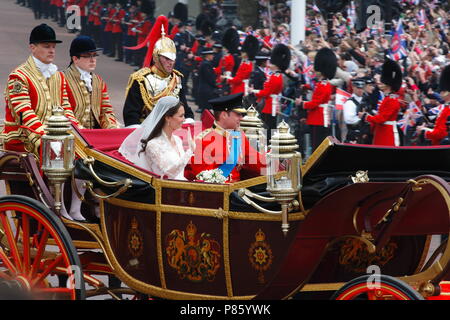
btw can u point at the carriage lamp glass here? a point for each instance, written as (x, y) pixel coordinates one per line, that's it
(283, 162)
(253, 128)
(57, 151)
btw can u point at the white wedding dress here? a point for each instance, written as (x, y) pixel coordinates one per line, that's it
(164, 158)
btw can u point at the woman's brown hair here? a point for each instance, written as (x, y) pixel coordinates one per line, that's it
(158, 128)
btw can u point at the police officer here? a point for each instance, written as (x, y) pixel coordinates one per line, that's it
(207, 80)
(351, 108)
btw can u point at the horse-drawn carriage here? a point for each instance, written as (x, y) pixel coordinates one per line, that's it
(368, 222)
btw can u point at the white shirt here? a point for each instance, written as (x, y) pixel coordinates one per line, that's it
(165, 159)
(86, 77)
(350, 110)
(47, 70)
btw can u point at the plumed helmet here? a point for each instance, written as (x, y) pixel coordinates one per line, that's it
(281, 56)
(391, 75)
(250, 46)
(325, 62)
(444, 80)
(230, 40)
(180, 11)
(164, 46)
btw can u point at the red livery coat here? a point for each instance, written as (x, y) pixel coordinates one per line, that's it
(29, 105)
(212, 149)
(321, 95)
(383, 133)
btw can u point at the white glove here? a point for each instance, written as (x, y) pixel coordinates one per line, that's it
(188, 121)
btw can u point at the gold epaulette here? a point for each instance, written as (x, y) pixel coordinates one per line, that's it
(178, 73)
(138, 76)
(204, 133)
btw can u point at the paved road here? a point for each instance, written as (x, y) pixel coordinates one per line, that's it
(16, 23)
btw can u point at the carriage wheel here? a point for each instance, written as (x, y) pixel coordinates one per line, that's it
(35, 247)
(385, 288)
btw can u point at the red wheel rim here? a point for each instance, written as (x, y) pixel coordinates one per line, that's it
(382, 291)
(31, 251)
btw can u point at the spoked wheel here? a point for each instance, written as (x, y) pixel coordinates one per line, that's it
(382, 287)
(35, 247)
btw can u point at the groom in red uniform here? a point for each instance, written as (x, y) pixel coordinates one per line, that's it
(224, 146)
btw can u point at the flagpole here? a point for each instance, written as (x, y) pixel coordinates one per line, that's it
(298, 15)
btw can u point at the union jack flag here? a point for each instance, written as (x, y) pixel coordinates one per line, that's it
(436, 110)
(398, 48)
(421, 18)
(307, 73)
(410, 117)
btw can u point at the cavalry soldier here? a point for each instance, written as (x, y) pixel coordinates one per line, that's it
(318, 114)
(33, 89)
(87, 92)
(440, 130)
(147, 85)
(223, 146)
(384, 124)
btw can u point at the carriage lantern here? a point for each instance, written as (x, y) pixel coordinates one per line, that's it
(283, 170)
(57, 152)
(254, 130)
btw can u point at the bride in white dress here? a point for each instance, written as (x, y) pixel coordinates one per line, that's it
(154, 147)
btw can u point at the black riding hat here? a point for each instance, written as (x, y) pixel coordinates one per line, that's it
(82, 44)
(43, 33)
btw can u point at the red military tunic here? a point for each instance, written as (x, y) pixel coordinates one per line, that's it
(117, 21)
(273, 85)
(29, 101)
(384, 124)
(226, 64)
(321, 96)
(440, 128)
(243, 73)
(212, 150)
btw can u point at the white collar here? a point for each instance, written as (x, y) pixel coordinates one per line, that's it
(86, 77)
(47, 70)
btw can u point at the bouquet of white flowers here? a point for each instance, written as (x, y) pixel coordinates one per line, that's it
(213, 176)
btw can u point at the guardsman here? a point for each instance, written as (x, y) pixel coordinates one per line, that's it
(224, 146)
(440, 130)
(279, 62)
(147, 85)
(248, 52)
(318, 110)
(33, 89)
(117, 32)
(230, 43)
(384, 123)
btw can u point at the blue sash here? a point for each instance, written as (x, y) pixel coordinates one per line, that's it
(233, 157)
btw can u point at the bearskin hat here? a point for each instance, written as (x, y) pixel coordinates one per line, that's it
(199, 20)
(325, 62)
(180, 12)
(230, 40)
(207, 27)
(391, 75)
(444, 80)
(147, 7)
(281, 56)
(250, 46)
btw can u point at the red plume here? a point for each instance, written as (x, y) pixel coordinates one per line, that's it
(152, 37)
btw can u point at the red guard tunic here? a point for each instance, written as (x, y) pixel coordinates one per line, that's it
(236, 83)
(212, 149)
(226, 63)
(117, 21)
(384, 124)
(321, 96)
(440, 129)
(273, 85)
(29, 100)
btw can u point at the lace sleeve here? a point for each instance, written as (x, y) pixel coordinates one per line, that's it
(159, 157)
